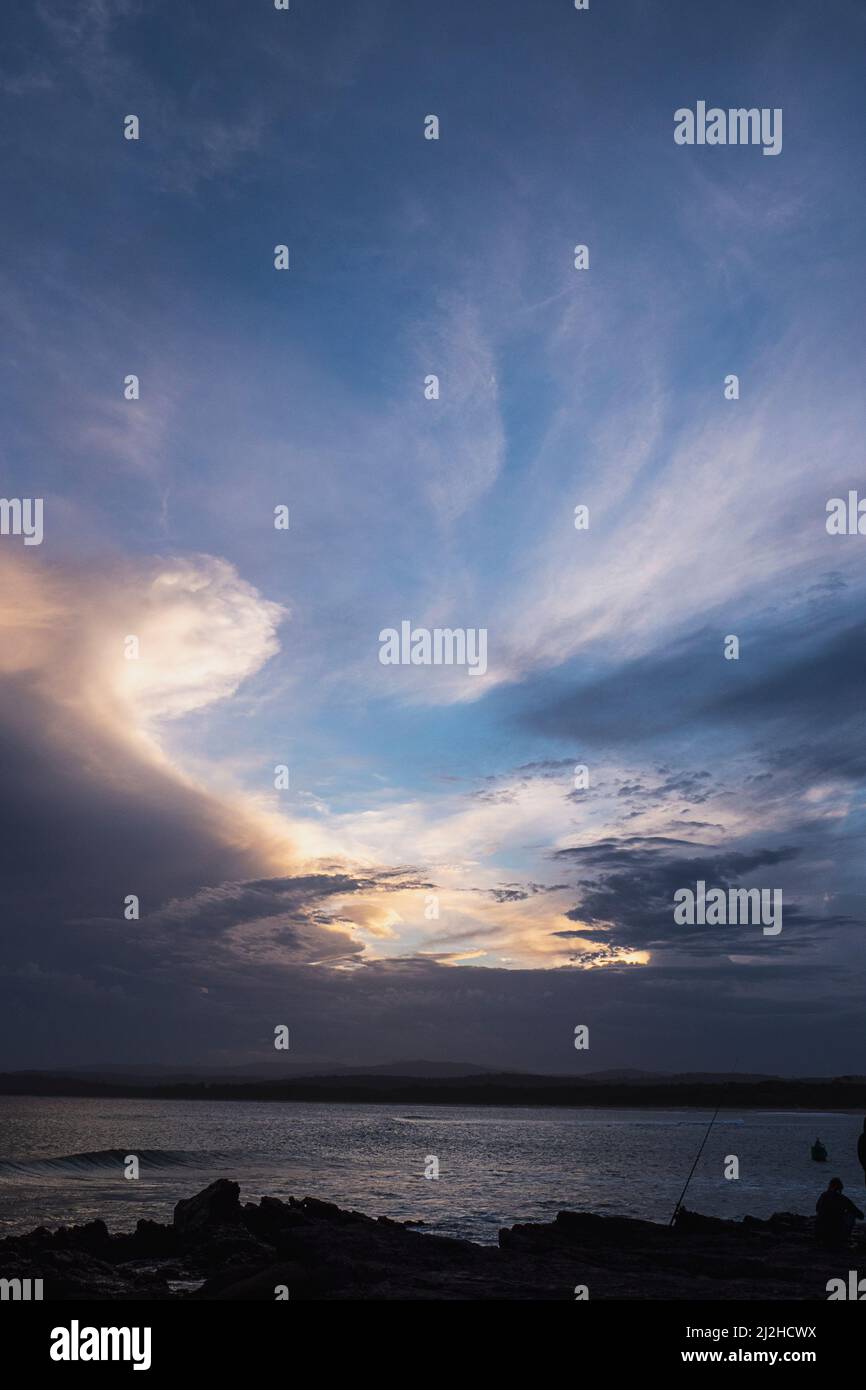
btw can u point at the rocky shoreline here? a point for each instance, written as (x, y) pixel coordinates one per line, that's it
(218, 1249)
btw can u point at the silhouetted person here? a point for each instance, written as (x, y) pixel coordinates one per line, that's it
(819, 1153)
(861, 1150)
(835, 1217)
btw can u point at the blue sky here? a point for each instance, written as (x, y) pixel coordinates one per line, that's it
(305, 388)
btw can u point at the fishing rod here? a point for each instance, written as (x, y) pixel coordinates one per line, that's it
(695, 1164)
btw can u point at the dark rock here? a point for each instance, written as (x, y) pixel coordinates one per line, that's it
(217, 1205)
(327, 1211)
(153, 1239)
(218, 1250)
(270, 1217)
(92, 1236)
(693, 1221)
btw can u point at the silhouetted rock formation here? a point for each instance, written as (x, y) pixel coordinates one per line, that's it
(218, 1249)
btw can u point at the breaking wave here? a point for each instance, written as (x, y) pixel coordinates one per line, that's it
(105, 1160)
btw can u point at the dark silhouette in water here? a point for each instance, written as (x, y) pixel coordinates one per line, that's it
(819, 1153)
(835, 1216)
(861, 1150)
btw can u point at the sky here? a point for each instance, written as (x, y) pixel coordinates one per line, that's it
(436, 880)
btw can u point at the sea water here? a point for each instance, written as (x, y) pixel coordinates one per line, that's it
(63, 1160)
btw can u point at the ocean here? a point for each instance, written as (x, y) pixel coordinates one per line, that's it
(62, 1160)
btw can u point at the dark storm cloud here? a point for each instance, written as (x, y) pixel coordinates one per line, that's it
(283, 916)
(793, 703)
(84, 819)
(92, 812)
(717, 1011)
(218, 909)
(628, 896)
(799, 689)
(202, 962)
(629, 850)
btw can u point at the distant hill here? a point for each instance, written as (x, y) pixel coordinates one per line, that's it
(680, 1078)
(421, 1069)
(703, 1090)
